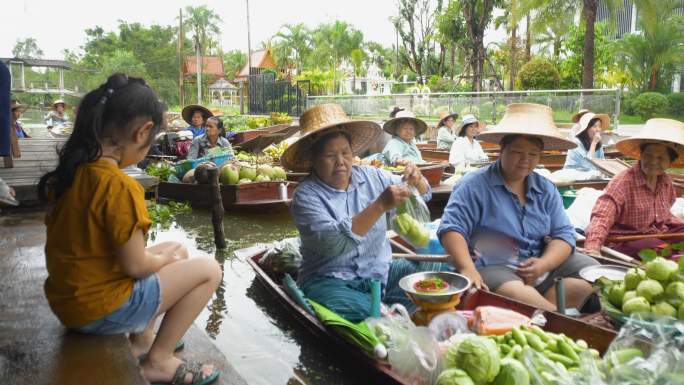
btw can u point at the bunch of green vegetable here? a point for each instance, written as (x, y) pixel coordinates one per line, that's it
(658, 289)
(280, 118)
(162, 170)
(257, 122)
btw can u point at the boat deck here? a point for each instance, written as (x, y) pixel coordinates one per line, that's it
(36, 349)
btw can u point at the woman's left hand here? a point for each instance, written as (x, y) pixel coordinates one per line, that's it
(412, 175)
(531, 269)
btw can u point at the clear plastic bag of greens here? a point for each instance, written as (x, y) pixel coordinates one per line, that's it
(410, 220)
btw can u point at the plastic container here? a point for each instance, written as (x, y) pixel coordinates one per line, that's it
(218, 160)
(434, 246)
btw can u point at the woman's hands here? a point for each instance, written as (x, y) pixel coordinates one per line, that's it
(412, 175)
(393, 196)
(597, 138)
(475, 278)
(531, 269)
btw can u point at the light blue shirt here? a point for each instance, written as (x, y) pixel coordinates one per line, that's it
(481, 207)
(196, 131)
(577, 158)
(323, 215)
(397, 149)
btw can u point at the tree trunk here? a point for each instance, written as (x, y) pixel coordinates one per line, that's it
(334, 91)
(513, 48)
(654, 79)
(528, 38)
(589, 12)
(453, 61)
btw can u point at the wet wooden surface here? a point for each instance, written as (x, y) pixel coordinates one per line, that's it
(36, 349)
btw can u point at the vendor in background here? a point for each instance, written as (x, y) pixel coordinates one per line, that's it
(210, 139)
(195, 115)
(638, 200)
(402, 149)
(446, 133)
(505, 227)
(588, 140)
(466, 149)
(58, 116)
(17, 110)
(340, 211)
(575, 120)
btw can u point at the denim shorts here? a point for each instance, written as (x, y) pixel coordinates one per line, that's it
(134, 315)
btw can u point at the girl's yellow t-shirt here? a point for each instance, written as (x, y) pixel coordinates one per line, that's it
(89, 222)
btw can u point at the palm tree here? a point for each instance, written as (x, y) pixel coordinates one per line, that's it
(297, 41)
(551, 35)
(204, 23)
(661, 42)
(335, 42)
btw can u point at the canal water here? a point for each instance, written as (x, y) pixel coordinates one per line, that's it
(264, 343)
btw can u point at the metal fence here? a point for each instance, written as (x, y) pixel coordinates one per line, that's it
(489, 106)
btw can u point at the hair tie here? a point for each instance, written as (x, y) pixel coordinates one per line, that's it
(107, 95)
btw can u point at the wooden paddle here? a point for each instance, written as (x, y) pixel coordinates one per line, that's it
(637, 237)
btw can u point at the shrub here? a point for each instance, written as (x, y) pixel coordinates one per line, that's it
(538, 74)
(650, 104)
(676, 101)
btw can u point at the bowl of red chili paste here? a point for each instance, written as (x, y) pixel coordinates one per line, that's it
(434, 286)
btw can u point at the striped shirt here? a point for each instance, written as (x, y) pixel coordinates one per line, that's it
(628, 206)
(323, 215)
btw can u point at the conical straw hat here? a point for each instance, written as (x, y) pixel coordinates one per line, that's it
(532, 120)
(190, 109)
(669, 132)
(391, 125)
(575, 118)
(586, 118)
(319, 120)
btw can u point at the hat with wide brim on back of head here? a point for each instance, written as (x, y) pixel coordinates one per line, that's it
(588, 117)
(59, 101)
(17, 106)
(469, 119)
(320, 120)
(189, 110)
(575, 118)
(444, 115)
(393, 124)
(528, 119)
(668, 132)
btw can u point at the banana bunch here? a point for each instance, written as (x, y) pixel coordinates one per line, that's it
(275, 151)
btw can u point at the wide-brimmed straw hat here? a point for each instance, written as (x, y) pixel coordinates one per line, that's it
(16, 106)
(392, 125)
(190, 109)
(468, 119)
(59, 101)
(575, 118)
(215, 112)
(531, 120)
(588, 117)
(668, 132)
(316, 122)
(444, 115)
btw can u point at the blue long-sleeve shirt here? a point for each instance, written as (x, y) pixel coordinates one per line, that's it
(323, 215)
(494, 223)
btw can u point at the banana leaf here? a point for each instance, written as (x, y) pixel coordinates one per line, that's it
(359, 334)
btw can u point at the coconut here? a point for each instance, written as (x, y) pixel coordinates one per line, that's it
(189, 177)
(265, 170)
(201, 172)
(262, 178)
(230, 174)
(248, 172)
(279, 173)
(244, 180)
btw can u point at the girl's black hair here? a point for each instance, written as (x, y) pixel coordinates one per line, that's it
(106, 113)
(462, 131)
(584, 136)
(670, 151)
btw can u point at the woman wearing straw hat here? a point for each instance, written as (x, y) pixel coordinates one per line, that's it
(466, 149)
(575, 120)
(404, 128)
(196, 115)
(18, 109)
(340, 210)
(588, 140)
(57, 118)
(445, 132)
(638, 200)
(510, 220)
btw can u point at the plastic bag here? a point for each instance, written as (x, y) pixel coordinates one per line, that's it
(410, 220)
(283, 257)
(637, 356)
(412, 350)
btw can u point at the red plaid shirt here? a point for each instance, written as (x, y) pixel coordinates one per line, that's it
(628, 206)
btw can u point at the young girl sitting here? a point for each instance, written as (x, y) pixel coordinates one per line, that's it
(101, 278)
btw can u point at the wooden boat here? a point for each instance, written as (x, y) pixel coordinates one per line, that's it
(434, 155)
(597, 337)
(256, 197)
(243, 136)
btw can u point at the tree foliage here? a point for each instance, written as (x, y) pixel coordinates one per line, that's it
(27, 49)
(539, 74)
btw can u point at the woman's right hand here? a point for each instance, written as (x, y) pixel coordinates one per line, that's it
(393, 196)
(474, 277)
(597, 138)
